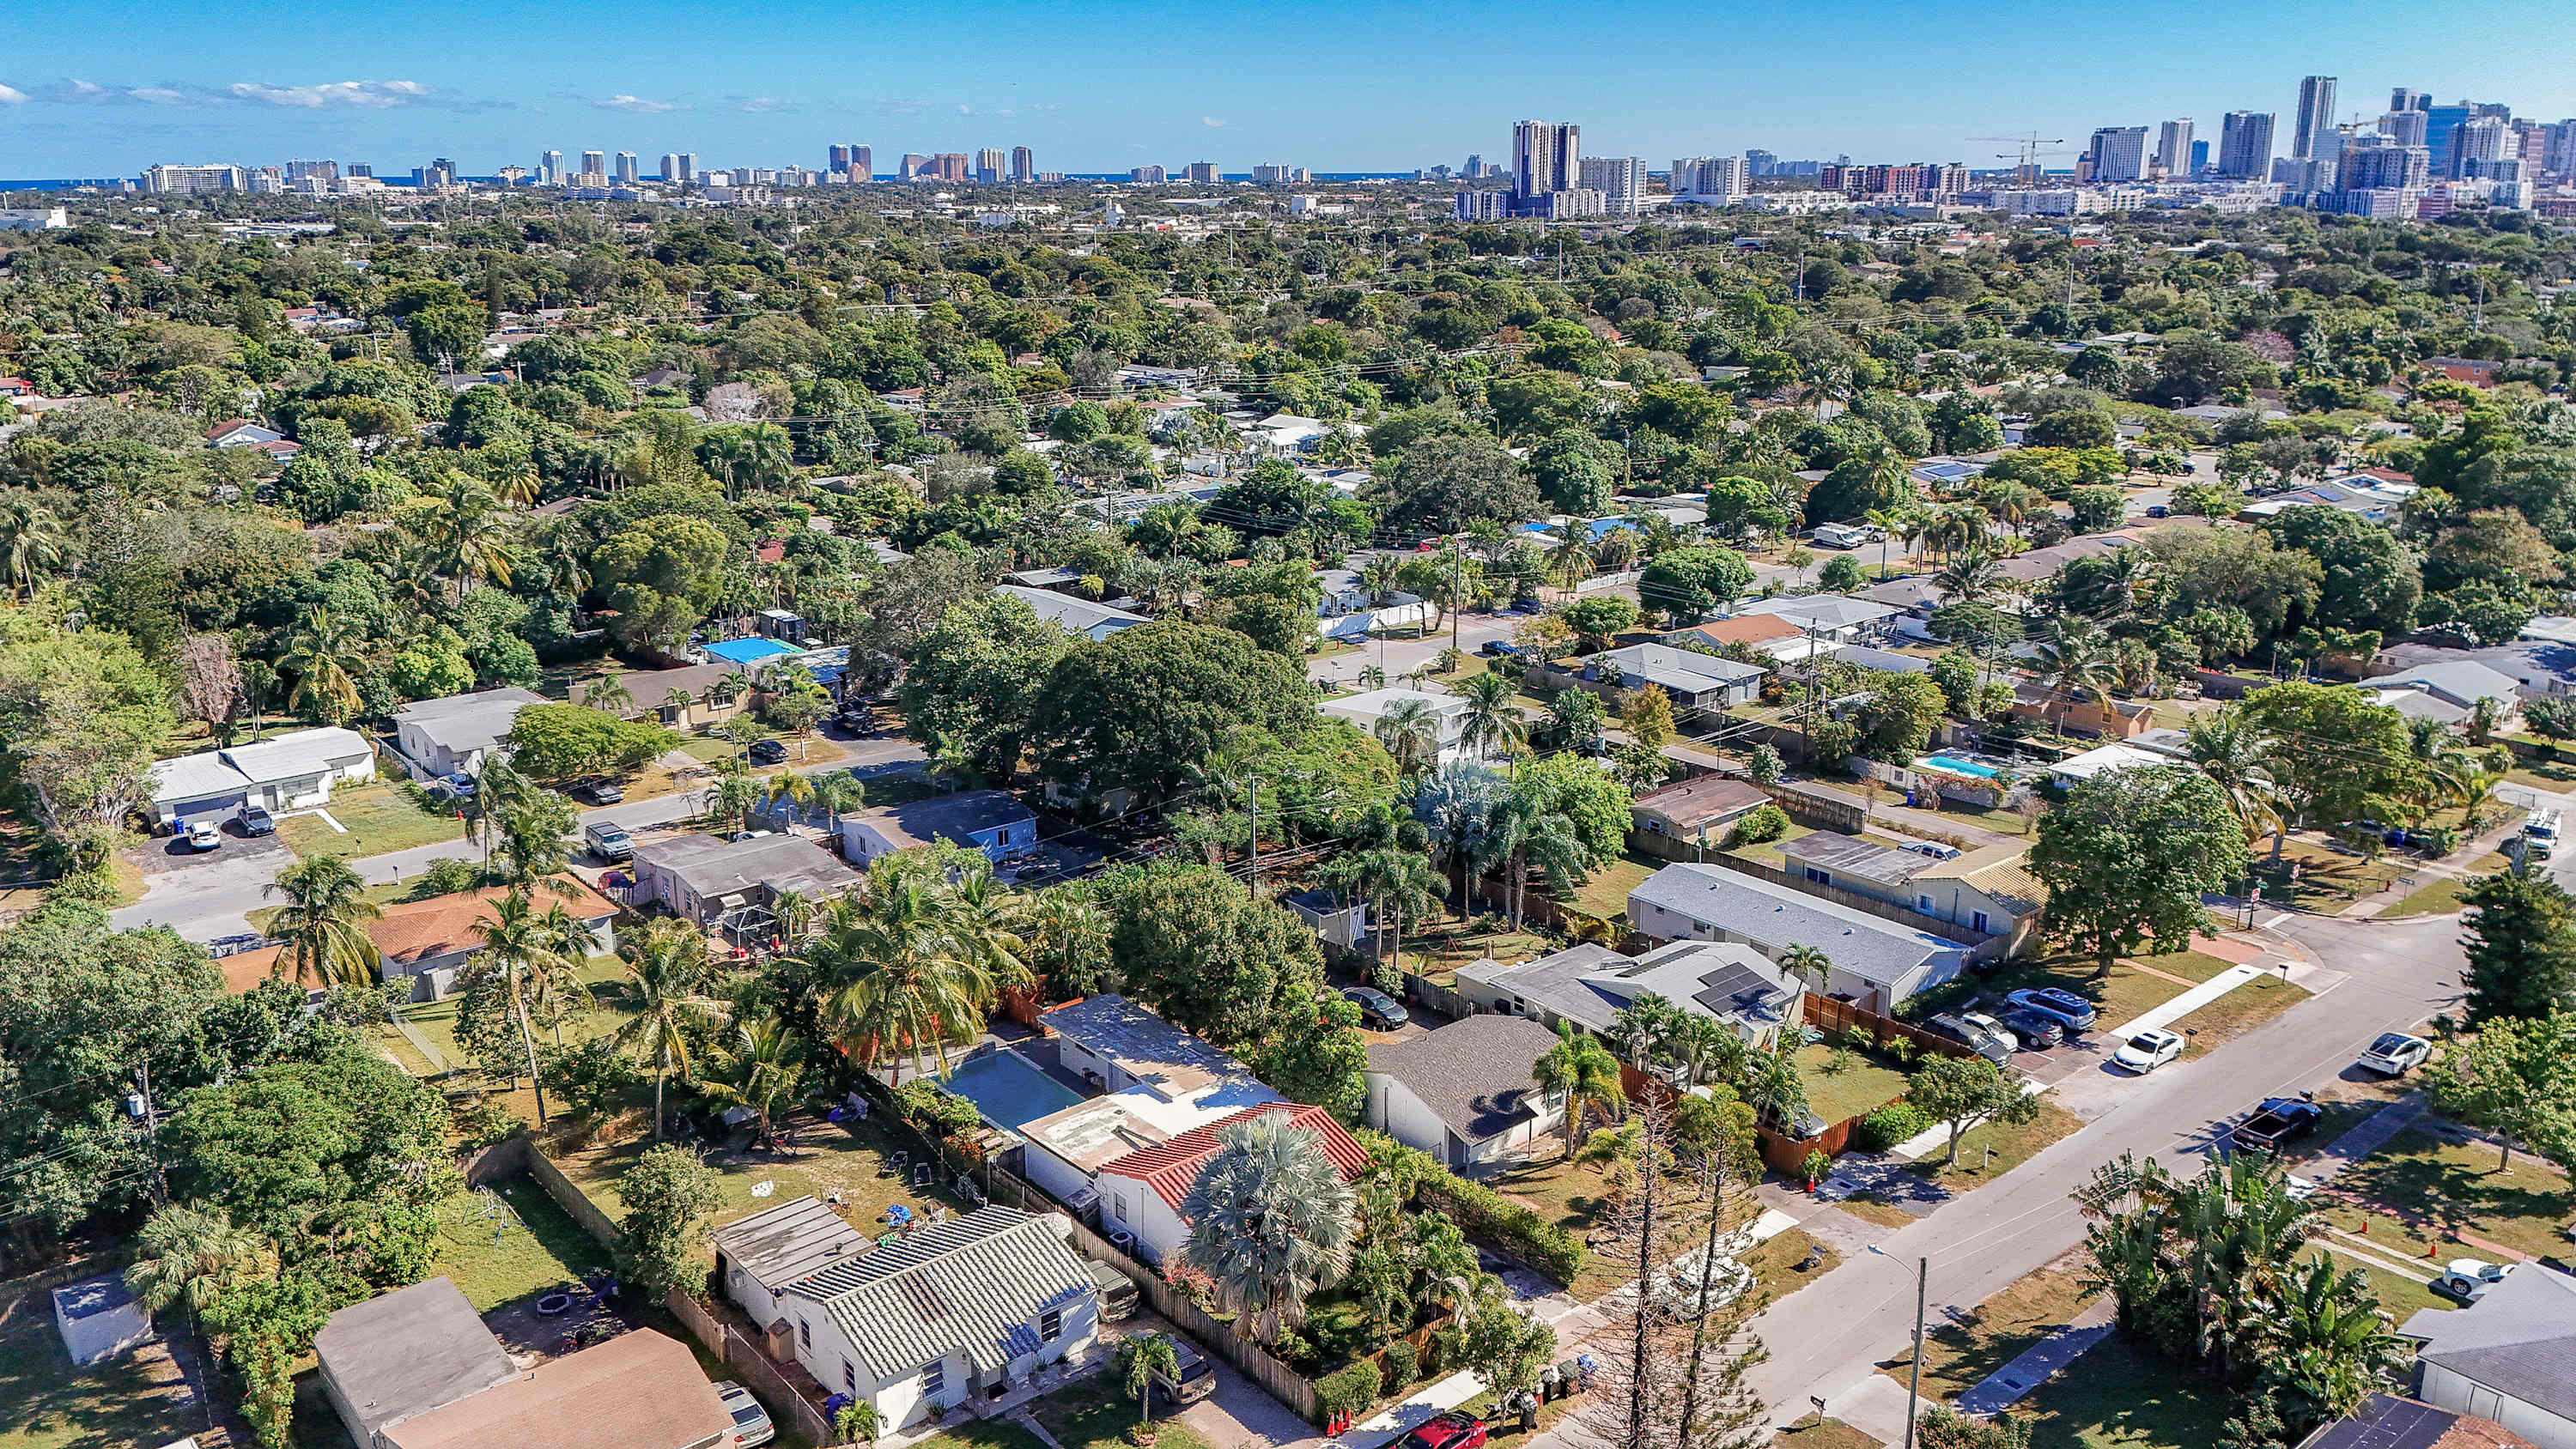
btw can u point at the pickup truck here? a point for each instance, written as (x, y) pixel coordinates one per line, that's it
(2275, 1123)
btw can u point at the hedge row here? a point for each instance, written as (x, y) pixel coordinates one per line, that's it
(1481, 1212)
(1351, 1389)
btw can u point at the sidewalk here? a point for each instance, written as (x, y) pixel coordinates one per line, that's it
(2036, 1364)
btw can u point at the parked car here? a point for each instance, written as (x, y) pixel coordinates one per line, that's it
(598, 790)
(1529, 606)
(2037, 1029)
(2159, 510)
(236, 943)
(1996, 1049)
(255, 820)
(2468, 1279)
(1378, 1010)
(2275, 1123)
(858, 719)
(1991, 1027)
(768, 752)
(1840, 535)
(1456, 1429)
(751, 1423)
(204, 835)
(608, 841)
(2076, 1012)
(2394, 1054)
(1195, 1381)
(1498, 648)
(1932, 848)
(1117, 1292)
(2148, 1050)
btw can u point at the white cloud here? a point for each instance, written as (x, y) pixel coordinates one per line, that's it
(160, 96)
(369, 94)
(624, 102)
(1006, 112)
(12, 96)
(903, 106)
(1211, 122)
(965, 110)
(762, 105)
(81, 90)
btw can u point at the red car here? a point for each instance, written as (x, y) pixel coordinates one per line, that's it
(1452, 1430)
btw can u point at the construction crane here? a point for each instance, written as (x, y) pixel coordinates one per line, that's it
(2027, 151)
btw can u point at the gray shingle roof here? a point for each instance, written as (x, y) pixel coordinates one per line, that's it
(973, 1285)
(1082, 616)
(407, 1352)
(1775, 917)
(2519, 1340)
(1474, 1073)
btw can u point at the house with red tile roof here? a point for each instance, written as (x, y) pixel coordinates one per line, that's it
(1141, 1193)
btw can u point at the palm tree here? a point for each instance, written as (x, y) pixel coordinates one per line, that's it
(666, 963)
(520, 944)
(1381, 574)
(324, 923)
(1570, 561)
(1271, 1222)
(1141, 1357)
(33, 542)
(1712, 1050)
(677, 702)
(1410, 730)
(838, 793)
(2327, 1339)
(1372, 676)
(1889, 522)
(609, 692)
(2225, 746)
(1968, 576)
(1807, 965)
(793, 910)
(1579, 1072)
(1397, 882)
(468, 532)
(765, 1066)
(1774, 1088)
(2450, 772)
(895, 977)
(324, 658)
(1490, 725)
(2074, 663)
(190, 1255)
(1068, 939)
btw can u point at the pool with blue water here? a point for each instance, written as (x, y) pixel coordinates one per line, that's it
(1010, 1090)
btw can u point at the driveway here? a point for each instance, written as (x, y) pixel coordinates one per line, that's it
(203, 894)
(1403, 656)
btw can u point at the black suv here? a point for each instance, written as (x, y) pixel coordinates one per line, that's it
(768, 752)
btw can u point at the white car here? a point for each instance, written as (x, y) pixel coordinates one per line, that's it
(2395, 1054)
(1932, 848)
(751, 1423)
(203, 835)
(2300, 1189)
(2148, 1050)
(1983, 1022)
(2468, 1279)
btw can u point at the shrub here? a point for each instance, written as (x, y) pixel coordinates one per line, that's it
(1398, 1366)
(1352, 1390)
(935, 1108)
(1442, 1351)
(445, 877)
(1479, 1211)
(856, 1423)
(1896, 1122)
(1766, 824)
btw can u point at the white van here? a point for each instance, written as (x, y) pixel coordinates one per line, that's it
(2540, 834)
(1841, 535)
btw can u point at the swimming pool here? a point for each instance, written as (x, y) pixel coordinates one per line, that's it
(1957, 766)
(1009, 1090)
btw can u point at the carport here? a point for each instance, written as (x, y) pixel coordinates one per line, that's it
(197, 788)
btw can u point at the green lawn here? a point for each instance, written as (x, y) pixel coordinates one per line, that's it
(2238, 1012)
(378, 817)
(1095, 1415)
(983, 1434)
(1814, 1433)
(45, 1403)
(2120, 1395)
(1606, 894)
(2121, 997)
(2325, 875)
(1958, 1355)
(1864, 1085)
(2190, 965)
(2013, 1144)
(498, 1256)
(2400, 1295)
(2440, 895)
(2454, 1187)
(1775, 1261)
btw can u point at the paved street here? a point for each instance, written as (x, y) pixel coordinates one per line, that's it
(213, 895)
(1403, 656)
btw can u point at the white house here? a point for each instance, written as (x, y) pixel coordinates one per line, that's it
(1464, 1093)
(1010, 1298)
(2506, 1357)
(992, 821)
(456, 735)
(1158, 1082)
(1080, 616)
(1876, 962)
(1448, 711)
(293, 771)
(1141, 1192)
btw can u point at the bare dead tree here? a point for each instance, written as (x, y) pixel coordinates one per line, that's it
(210, 682)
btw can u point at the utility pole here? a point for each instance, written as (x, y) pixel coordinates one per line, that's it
(1252, 877)
(1914, 1384)
(1457, 585)
(152, 1134)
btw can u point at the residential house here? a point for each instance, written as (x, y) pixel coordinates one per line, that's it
(403, 1354)
(748, 652)
(1464, 1093)
(2102, 759)
(1700, 682)
(1915, 599)
(1448, 711)
(1840, 618)
(1079, 616)
(715, 693)
(956, 1310)
(2452, 687)
(1988, 891)
(785, 625)
(1157, 1082)
(992, 821)
(293, 771)
(241, 433)
(456, 735)
(1876, 962)
(1697, 813)
(1335, 921)
(2384, 1421)
(2510, 1356)
(706, 878)
(1589, 984)
(1141, 1192)
(1766, 632)
(2116, 719)
(1053, 579)
(428, 942)
(759, 1257)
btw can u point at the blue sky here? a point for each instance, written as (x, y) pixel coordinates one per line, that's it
(107, 87)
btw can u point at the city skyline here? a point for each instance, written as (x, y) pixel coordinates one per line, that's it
(76, 103)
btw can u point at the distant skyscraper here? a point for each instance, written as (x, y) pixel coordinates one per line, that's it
(550, 170)
(863, 162)
(627, 175)
(688, 166)
(2316, 115)
(2199, 157)
(1710, 180)
(1200, 173)
(1481, 205)
(671, 168)
(988, 166)
(312, 171)
(2173, 147)
(2118, 153)
(914, 166)
(2245, 145)
(949, 166)
(1760, 163)
(2405, 127)
(2407, 98)
(840, 158)
(1151, 175)
(1546, 156)
(594, 163)
(1024, 166)
(2478, 139)
(1621, 180)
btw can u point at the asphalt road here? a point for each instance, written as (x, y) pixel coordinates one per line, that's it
(214, 895)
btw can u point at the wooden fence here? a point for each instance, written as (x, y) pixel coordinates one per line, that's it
(1442, 999)
(793, 1408)
(1830, 1016)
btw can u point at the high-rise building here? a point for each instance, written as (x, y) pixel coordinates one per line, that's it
(2245, 145)
(1621, 180)
(949, 166)
(988, 166)
(2376, 162)
(627, 175)
(2405, 127)
(1198, 173)
(1482, 205)
(191, 180)
(1711, 180)
(1760, 163)
(688, 166)
(2118, 153)
(312, 171)
(914, 166)
(1546, 156)
(2476, 140)
(2407, 98)
(356, 169)
(1279, 173)
(1149, 175)
(2173, 147)
(2439, 123)
(2199, 157)
(840, 157)
(1024, 166)
(550, 170)
(594, 164)
(2316, 115)
(2558, 153)
(671, 168)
